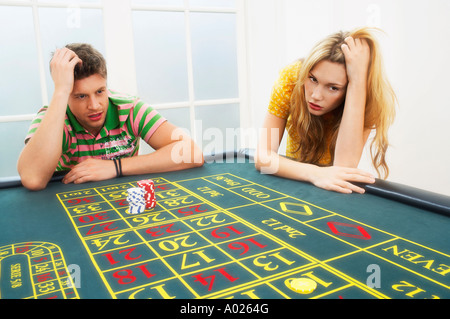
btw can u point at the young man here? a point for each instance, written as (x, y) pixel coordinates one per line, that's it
(95, 132)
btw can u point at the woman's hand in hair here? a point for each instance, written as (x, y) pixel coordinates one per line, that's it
(357, 58)
(340, 179)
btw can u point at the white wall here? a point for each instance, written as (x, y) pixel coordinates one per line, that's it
(416, 47)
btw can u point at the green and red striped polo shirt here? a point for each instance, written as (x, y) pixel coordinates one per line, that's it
(127, 120)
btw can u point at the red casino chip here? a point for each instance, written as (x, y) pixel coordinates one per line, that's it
(149, 196)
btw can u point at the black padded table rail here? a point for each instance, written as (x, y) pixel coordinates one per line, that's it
(435, 202)
(409, 195)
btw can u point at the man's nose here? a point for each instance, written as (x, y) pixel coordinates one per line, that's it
(93, 103)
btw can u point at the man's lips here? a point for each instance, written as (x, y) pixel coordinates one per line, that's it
(95, 117)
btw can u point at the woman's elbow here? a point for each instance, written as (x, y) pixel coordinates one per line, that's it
(267, 163)
(257, 164)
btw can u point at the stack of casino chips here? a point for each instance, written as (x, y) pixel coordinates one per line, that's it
(149, 196)
(136, 200)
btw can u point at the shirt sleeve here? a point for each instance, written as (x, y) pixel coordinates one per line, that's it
(146, 120)
(36, 122)
(280, 98)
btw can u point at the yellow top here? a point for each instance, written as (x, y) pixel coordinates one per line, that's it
(280, 107)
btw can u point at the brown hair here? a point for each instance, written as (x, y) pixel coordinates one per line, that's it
(93, 61)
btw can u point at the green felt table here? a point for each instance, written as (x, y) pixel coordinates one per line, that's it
(220, 231)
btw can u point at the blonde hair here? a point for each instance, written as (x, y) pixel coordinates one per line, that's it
(380, 102)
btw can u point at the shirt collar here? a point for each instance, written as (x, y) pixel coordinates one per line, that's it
(111, 120)
(112, 117)
(74, 122)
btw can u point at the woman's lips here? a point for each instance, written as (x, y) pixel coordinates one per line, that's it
(315, 106)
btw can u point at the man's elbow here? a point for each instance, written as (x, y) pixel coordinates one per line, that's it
(197, 158)
(29, 176)
(33, 183)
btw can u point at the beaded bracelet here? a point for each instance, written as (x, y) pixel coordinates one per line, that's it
(118, 165)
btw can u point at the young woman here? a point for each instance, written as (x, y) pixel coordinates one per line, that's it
(329, 103)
